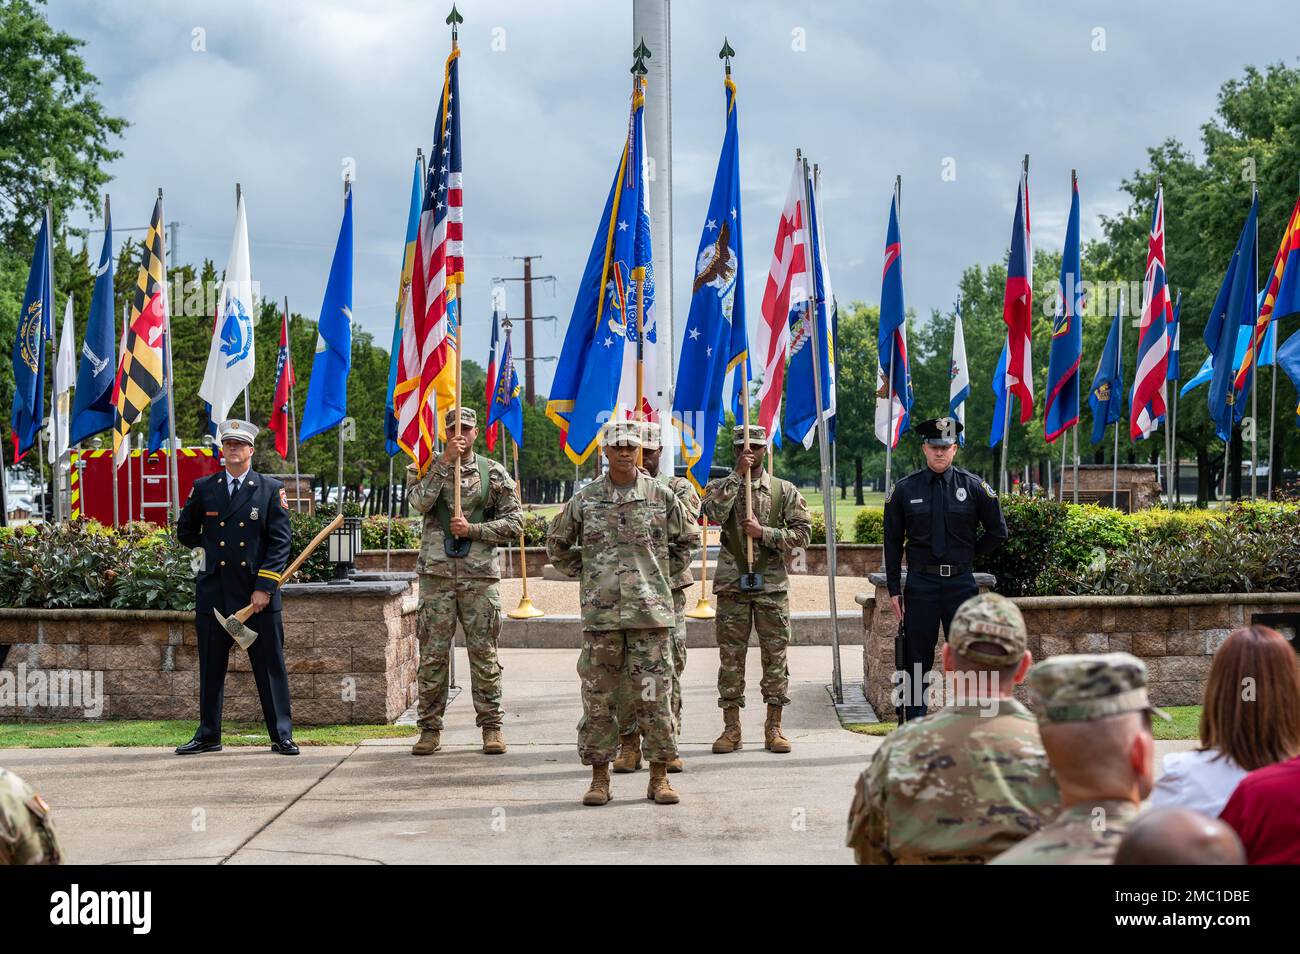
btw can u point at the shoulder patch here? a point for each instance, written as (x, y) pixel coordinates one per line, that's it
(987, 489)
(284, 499)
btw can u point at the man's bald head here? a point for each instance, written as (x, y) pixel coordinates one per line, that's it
(1112, 757)
(1179, 836)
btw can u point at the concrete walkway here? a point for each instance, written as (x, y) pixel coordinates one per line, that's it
(374, 803)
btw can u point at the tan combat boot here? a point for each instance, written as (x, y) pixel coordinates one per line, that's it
(675, 766)
(598, 794)
(430, 742)
(773, 740)
(493, 744)
(729, 741)
(660, 790)
(629, 753)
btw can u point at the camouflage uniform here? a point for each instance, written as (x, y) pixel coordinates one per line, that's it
(680, 583)
(26, 833)
(768, 611)
(1080, 689)
(462, 589)
(966, 782)
(628, 545)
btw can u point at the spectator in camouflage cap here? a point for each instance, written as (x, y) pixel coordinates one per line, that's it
(925, 798)
(1095, 719)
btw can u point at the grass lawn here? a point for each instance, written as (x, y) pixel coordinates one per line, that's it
(58, 735)
(1185, 725)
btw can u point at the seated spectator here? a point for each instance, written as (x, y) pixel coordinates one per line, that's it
(970, 780)
(1264, 811)
(1179, 836)
(1251, 719)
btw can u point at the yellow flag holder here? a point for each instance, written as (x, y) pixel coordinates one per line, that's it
(525, 609)
(703, 607)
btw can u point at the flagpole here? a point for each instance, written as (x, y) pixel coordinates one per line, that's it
(828, 503)
(238, 195)
(173, 498)
(1119, 351)
(889, 386)
(1254, 372)
(1075, 438)
(525, 609)
(52, 488)
(293, 425)
(1272, 411)
(347, 188)
(1074, 184)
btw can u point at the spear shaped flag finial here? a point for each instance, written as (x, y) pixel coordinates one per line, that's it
(726, 53)
(454, 18)
(642, 53)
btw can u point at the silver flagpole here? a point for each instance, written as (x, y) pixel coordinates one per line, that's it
(1075, 438)
(1119, 352)
(1049, 471)
(293, 424)
(1254, 371)
(1272, 411)
(173, 498)
(889, 384)
(828, 502)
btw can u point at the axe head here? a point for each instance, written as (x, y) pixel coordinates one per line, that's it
(237, 630)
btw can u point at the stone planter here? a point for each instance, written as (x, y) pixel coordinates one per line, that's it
(1176, 636)
(350, 650)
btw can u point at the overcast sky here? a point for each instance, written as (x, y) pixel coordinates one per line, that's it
(280, 95)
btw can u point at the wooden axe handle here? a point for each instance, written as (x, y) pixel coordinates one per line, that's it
(243, 614)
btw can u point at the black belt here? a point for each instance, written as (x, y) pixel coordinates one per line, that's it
(947, 569)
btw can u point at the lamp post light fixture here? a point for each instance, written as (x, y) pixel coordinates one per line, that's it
(344, 545)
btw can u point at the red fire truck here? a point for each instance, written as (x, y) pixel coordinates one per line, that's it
(143, 483)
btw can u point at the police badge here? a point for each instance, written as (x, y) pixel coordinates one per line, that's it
(252, 514)
(961, 493)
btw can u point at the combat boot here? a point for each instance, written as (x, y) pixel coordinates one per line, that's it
(430, 742)
(599, 793)
(493, 744)
(773, 740)
(629, 753)
(729, 741)
(660, 790)
(675, 766)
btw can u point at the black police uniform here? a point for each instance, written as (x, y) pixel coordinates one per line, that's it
(246, 542)
(938, 515)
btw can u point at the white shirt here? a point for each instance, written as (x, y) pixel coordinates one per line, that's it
(1201, 781)
(230, 481)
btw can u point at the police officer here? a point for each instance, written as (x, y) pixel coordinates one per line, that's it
(934, 515)
(240, 518)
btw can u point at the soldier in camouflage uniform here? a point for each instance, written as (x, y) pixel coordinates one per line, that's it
(964, 783)
(465, 587)
(1095, 719)
(776, 532)
(26, 832)
(629, 747)
(627, 536)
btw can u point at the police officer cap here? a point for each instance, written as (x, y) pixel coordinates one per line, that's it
(757, 434)
(468, 417)
(651, 435)
(234, 430)
(941, 432)
(622, 434)
(1086, 687)
(988, 629)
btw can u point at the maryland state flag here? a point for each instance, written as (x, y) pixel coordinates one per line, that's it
(141, 373)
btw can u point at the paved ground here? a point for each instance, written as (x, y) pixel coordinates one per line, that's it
(808, 594)
(375, 803)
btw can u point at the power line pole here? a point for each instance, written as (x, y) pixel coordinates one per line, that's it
(530, 354)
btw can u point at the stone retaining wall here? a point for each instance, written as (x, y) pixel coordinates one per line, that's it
(350, 650)
(1176, 636)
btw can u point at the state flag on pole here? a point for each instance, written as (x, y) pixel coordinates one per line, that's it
(1235, 306)
(891, 341)
(438, 274)
(1282, 289)
(504, 406)
(1151, 373)
(93, 401)
(65, 371)
(141, 376)
(284, 382)
(1175, 340)
(327, 389)
(959, 378)
(404, 358)
(35, 328)
(490, 438)
(585, 391)
(715, 342)
(231, 356)
(1018, 305)
(1107, 395)
(120, 453)
(1000, 403)
(787, 287)
(1062, 409)
(802, 402)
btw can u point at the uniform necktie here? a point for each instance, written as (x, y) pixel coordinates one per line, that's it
(938, 515)
(234, 488)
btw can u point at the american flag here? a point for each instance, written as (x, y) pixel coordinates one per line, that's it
(1153, 337)
(787, 287)
(439, 268)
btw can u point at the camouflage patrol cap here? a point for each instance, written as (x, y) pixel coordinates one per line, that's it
(468, 417)
(757, 434)
(1093, 686)
(622, 434)
(986, 621)
(651, 435)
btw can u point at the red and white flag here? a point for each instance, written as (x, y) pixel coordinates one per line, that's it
(1018, 306)
(787, 287)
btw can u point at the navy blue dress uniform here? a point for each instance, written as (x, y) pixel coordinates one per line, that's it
(246, 542)
(935, 518)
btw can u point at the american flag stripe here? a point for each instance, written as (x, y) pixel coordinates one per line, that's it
(786, 287)
(1149, 380)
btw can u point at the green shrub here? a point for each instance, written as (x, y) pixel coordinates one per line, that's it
(374, 533)
(869, 526)
(819, 529)
(1035, 525)
(317, 568)
(535, 528)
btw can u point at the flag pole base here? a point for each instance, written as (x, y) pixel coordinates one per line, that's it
(703, 609)
(525, 610)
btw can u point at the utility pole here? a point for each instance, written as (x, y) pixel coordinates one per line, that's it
(530, 354)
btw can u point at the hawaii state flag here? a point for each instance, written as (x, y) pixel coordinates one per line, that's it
(1150, 376)
(284, 382)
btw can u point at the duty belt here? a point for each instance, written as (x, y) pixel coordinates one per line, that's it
(947, 569)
